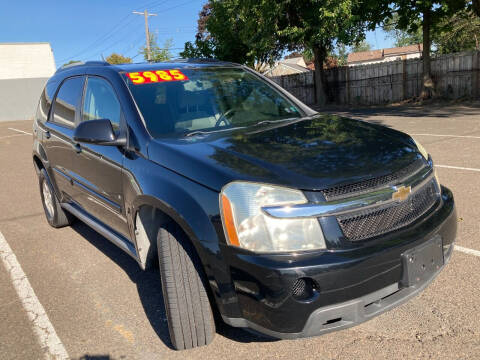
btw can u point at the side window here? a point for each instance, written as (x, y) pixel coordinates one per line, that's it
(66, 102)
(101, 102)
(42, 108)
(45, 101)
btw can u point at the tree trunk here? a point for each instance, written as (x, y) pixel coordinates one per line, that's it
(476, 7)
(319, 57)
(428, 88)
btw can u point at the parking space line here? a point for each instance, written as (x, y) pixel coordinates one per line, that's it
(10, 136)
(43, 328)
(455, 136)
(20, 131)
(456, 167)
(467, 250)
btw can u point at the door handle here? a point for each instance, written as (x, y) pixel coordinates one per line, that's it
(77, 148)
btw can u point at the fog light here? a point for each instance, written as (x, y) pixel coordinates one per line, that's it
(304, 289)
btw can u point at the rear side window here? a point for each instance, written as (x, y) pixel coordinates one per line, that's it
(101, 102)
(46, 101)
(67, 101)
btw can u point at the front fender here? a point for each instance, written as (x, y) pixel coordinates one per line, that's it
(194, 207)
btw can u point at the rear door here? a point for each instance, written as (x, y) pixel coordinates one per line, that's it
(97, 169)
(58, 133)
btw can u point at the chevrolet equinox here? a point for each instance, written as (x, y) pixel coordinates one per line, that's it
(254, 207)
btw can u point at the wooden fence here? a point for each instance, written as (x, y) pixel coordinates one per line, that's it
(455, 75)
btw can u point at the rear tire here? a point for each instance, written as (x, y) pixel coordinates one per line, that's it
(56, 216)
(189, 315)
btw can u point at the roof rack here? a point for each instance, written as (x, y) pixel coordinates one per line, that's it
(83, 63)
(206, 60)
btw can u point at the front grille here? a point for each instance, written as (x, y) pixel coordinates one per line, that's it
(343, 191)
(361, 225)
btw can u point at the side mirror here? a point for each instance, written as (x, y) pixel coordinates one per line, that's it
(98, 132)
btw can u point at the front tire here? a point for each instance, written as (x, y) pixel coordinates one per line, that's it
(56, 216)
(189, 315)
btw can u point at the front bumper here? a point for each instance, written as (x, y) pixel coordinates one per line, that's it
(354, 285)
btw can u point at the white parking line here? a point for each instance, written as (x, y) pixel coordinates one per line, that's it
(10, 136)
(467, 250)
(455, 136)
(456, 167)
(43, 328)
(20, 131)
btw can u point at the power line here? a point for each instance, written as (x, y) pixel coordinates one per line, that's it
(116, 31)
(101, 38)
(109, 34)
(174, 7)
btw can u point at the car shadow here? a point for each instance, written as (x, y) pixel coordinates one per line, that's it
(150, 290)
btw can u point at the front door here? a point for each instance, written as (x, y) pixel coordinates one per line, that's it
(97, 169)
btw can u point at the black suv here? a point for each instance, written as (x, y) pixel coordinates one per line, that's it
(277, 218)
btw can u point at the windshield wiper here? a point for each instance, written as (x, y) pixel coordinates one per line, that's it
(197, 132)
(203, 132)
(274, 121)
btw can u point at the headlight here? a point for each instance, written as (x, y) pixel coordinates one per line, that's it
(421, 149)
(247, 226)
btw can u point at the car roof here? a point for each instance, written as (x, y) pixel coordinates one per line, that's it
(177, 64)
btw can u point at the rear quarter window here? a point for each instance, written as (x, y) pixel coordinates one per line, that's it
(45, 102)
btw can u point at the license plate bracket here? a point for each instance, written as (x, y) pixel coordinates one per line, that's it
(422, 262)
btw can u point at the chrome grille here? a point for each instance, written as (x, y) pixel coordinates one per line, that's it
(343, 191)
(364, 224)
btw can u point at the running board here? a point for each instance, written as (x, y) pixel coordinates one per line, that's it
(102, 229)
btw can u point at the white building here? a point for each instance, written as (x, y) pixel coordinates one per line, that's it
(24, 70)
(384, 55)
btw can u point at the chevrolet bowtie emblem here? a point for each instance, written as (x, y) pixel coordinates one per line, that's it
(402, 193)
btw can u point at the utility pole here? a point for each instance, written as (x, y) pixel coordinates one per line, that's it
(146, 14)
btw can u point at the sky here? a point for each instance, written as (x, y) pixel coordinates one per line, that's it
(87, 29)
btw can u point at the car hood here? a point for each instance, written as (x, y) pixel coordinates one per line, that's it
(311, 153)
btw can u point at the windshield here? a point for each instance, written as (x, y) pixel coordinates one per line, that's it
(208, 99)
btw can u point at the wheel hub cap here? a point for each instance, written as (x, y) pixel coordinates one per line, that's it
(47, 199)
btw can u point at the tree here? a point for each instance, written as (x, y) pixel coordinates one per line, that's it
(413, 14)
(118, 59)
(461, 33)
(257, 32)
(361, 46)
(224, 32)
(157, 53)
(476, 7)
(314, 25)
(341, 54)
(402, 37)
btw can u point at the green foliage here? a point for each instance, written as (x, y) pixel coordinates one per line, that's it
(361, 46)
(461, 33)
(118, 59)
(222, 35)
(402, 37)
(157, 53)
(198, 49)
(251, 31)
(341, 54)
(411, 16)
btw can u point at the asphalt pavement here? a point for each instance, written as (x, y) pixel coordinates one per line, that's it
(100, 305)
